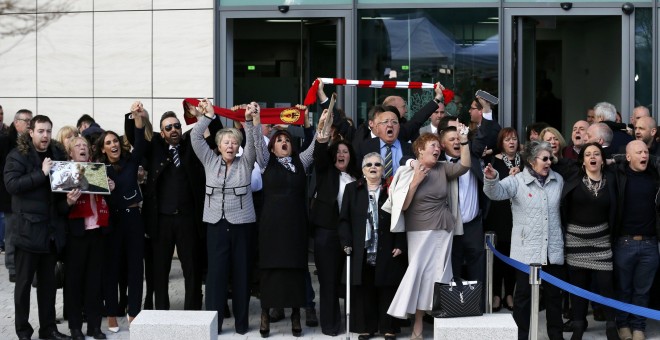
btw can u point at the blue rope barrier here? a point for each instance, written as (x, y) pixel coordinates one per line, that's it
(626, 307)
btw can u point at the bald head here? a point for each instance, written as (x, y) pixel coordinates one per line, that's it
(645, 129)
(639, 112)
(599, 133)
(637, 155)
(397, 102)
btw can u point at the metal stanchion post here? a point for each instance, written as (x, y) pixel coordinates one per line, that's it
(535, 281)
(489, 236)
(348, 251)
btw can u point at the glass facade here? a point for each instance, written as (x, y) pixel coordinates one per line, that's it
(643, 76)
(458, 47)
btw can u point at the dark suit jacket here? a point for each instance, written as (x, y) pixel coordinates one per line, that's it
(157, 156)
(352, 224)
(410, 130)
(486, 137)
(373, 145)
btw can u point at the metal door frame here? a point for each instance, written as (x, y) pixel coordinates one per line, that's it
(224, 51)
(507, 67)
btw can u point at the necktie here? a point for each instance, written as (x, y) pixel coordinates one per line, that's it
(455, 160)
(175, 156)
(388, 161)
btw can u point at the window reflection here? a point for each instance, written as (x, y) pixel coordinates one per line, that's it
(458, 47)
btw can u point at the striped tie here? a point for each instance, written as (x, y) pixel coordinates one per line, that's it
(388, 161)
(175, 156)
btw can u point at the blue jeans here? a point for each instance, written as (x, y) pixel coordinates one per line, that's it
(635, 263)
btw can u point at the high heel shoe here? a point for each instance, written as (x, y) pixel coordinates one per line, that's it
(499, 304)
(506, 303)
(264, 329)
(296, 328)
(113, 326)
(416, 336)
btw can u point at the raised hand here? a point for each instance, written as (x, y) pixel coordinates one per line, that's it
(46, 165)
(489, 172)
(73, 196)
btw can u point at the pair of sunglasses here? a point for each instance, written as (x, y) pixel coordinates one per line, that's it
(369, 165)
(169, 127)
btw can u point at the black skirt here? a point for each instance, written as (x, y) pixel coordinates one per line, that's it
(283, 288)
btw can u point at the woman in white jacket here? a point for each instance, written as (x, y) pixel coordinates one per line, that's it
(537, 237)
(419, 204)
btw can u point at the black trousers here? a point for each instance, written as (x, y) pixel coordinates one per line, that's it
(84, 269)
(329, 261)
(179, 231)
(10, 250)
(369, 304)
(503, 274)
(127, 239)
(228, 247)
(468, 249)
(27, 264)
(582, 278)
(551, 296)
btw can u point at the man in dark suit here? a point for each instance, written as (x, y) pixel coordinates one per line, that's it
(387, 144)
(606, 113)
(487, 129)
(173, 206)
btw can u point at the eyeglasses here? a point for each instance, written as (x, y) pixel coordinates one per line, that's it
(369, 165)
(473, 108)
(169, 127)
(27, 120)
(388, 122)
(544, 159)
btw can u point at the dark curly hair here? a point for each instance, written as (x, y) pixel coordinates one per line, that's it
(352, 168)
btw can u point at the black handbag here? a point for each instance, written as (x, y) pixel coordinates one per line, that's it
(456, 299)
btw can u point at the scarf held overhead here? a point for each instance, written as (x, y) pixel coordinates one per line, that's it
(379, 84)
(289, 115)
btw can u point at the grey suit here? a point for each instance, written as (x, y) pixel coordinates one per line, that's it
(425, 129)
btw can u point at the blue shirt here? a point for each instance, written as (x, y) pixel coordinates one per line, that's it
(397, 153)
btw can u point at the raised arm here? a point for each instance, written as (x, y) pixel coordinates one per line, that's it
(499, 190)
(199, 145)
(420, 172)
(252, 142)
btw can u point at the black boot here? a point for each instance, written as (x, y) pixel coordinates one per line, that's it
(296, 328)
(264, 329)
(611, 331)
(578, 330)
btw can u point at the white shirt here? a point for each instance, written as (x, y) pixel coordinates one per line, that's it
(487, 115)
(344, 179)
(468, 198)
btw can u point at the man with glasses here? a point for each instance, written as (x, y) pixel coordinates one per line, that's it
(8, 142)
(387, 144)
(173, 205)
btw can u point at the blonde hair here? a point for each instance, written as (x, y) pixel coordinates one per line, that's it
(562, 141)
(65, 133)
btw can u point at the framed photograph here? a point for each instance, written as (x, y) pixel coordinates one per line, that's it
(90, 178)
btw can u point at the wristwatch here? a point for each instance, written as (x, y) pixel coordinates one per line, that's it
(437, 101)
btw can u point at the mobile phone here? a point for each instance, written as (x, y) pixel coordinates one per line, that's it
(487, 97)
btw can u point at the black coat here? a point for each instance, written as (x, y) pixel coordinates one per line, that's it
(486, 137)
(325, 211)
(352, 224)
(156, 157)
(39, 214)
(7, 143)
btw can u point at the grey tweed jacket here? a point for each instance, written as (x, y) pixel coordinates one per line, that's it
(228, 192)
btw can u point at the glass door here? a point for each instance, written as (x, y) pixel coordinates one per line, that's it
(275, 60)
(558, 64)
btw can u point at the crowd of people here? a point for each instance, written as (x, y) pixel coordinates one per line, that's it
(409, 201)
